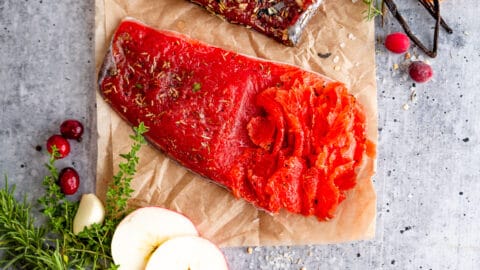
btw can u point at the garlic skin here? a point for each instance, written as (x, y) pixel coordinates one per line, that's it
(90, 211)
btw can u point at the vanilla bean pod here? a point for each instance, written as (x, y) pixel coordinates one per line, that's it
(436, 6)
(384, 13)
(430, 8)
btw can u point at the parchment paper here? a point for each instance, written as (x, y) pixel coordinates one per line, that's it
(337, 28)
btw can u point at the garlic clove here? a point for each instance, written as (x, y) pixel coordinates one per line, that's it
(90, 211)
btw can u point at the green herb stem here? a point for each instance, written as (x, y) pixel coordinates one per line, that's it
(120, 191)
(374, 8)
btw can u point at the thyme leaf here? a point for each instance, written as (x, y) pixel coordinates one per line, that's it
(196, 87)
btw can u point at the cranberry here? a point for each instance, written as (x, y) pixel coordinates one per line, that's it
(62, 145)
(71, 129)
(69, 181)
(397, 42)
(420, 71)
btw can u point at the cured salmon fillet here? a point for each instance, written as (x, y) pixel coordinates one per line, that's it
(283, 20)
(275, 135)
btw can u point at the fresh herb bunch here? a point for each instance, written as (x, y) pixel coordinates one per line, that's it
(374, 8)
(22, 243)
(54, 245)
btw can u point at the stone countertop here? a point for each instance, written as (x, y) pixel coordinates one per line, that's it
(428, 179)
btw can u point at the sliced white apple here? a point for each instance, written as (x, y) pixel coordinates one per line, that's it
(187, 253)
(142, 231)
(90, 211)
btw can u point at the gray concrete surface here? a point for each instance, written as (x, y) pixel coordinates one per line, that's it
(428, 179)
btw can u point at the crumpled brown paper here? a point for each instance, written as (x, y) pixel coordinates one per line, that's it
(338, 28)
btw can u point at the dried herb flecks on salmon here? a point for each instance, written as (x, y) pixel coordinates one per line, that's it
(275, 135)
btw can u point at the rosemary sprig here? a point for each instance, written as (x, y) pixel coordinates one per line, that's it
(54, 245)
(21, 241)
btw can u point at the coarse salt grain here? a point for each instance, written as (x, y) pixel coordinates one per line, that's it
(181, 25)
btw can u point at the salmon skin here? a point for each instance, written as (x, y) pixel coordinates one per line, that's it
(282, 20)
(273, 134)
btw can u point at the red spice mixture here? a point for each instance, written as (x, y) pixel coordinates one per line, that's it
(275, 135)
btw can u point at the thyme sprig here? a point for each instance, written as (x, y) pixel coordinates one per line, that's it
(54, 245)
(54, 205)
(119, 190)
(374, 8)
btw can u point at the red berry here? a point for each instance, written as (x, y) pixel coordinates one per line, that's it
(71, 129)
(420, 71)
(62, 145)
(397, 42)
(69, 181)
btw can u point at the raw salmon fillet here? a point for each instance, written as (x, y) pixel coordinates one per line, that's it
(275, 135)
(283, 20)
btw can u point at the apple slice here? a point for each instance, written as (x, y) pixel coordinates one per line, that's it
(187, 252)
(142, 231)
